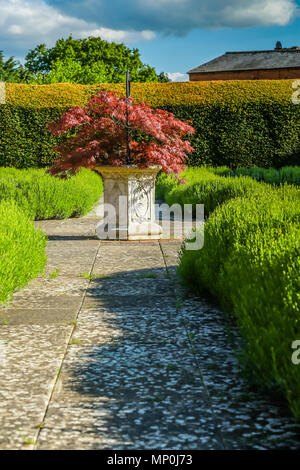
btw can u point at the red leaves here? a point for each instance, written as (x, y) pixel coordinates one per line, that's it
(101, 135)
(72, 118)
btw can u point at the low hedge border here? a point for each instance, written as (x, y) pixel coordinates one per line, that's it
(22, 249)
(287, 174)
(250, 263)
(45, 197)
(31, 194)
(203, 186)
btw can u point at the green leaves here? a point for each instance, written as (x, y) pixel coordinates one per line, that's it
(32, 194)
(12, 71)
(250, 133)
(203, 186)
(45, 197)
(287, 174)
(88, 61)
(229, 131)
(22, 249)
(251, 263)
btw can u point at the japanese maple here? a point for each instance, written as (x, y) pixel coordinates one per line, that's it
(99, 136)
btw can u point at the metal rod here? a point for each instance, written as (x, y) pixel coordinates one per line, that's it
(128, 158)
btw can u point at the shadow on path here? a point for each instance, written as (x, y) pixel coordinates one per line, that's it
(153, 367)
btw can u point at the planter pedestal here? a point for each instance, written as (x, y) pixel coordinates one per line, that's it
(129, 203)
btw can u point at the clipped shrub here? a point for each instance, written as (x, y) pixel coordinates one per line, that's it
(251, 263)
(287, 174)
(203, 186)
(164, 184)
(220, 170)
(22, 249)
(25, 141)
(238, 123)
(45, 197)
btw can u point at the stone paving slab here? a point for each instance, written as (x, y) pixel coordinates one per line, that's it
(29, 366)
(35, 330)
(131, 257)
(107, 350)
(143, 326)
(85, 228)
(66, 284)
(248, 419)
(74, 229)
(125, 284)
(51, 301)
(37, 316)
(128, 397)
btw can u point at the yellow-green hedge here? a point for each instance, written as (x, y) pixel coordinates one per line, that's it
(61, 95)
(238, 123)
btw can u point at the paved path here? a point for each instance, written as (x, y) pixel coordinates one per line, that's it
(107, 351)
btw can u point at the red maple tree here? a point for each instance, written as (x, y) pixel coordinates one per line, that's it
(100, 136)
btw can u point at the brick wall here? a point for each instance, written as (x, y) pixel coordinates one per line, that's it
(267, 74)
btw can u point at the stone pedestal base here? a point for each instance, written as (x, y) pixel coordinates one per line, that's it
(129, 198)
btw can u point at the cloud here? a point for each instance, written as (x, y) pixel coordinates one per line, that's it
(177, 76)
(24, 24)
(117, 35)
(178, 17)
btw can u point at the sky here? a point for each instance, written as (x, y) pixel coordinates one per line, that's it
(173, 36)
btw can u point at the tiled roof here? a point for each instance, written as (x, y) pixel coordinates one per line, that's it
(253, 60)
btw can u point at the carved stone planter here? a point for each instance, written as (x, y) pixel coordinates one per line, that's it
(129, 203)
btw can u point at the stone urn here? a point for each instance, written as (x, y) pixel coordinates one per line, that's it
(129, 203)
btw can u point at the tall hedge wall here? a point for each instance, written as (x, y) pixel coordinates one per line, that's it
(238, 123)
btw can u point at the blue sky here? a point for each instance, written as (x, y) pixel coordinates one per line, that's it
(172, 35)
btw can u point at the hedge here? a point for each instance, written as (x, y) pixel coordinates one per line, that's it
(205, 187)
(238, 123)
(287, 174)
(32, 194)
(22, 249)
(45, 197)
(61, 95)
(250, 262)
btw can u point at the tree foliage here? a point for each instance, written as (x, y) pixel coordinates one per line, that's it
(11, 70)
(100, 137)
(88, 61)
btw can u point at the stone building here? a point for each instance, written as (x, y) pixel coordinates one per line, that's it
(280, 63)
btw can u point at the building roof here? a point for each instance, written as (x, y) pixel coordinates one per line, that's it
(252, 60)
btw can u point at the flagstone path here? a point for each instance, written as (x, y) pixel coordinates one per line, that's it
(108, 351)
